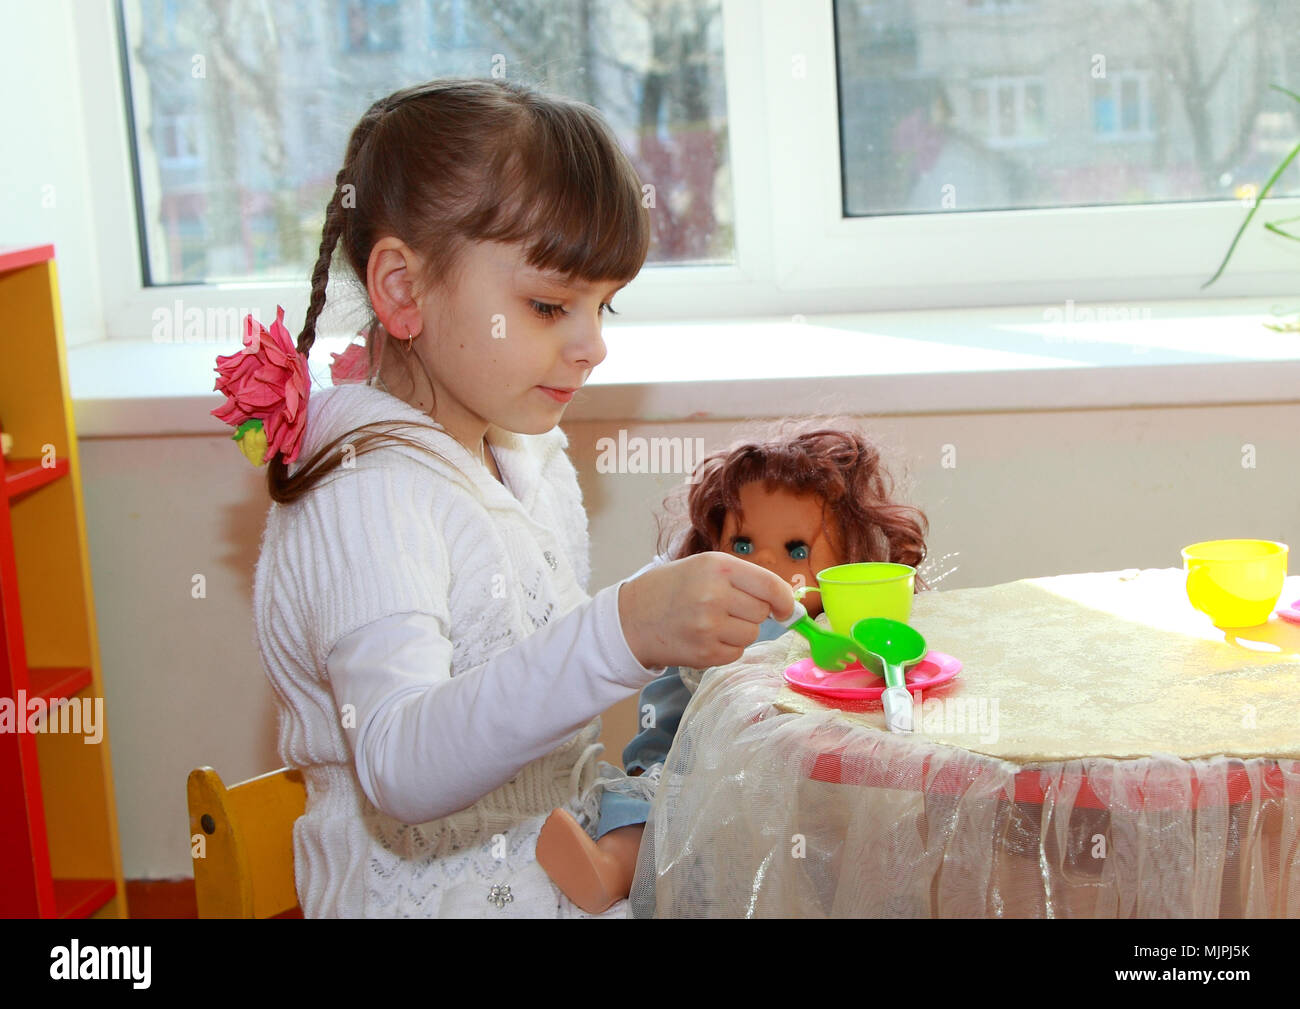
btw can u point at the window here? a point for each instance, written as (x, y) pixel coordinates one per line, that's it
(371, 26)
(1008, 111)
(969, 210)
(1024, 111)
(275, 129)
(178, 144)
(820, 156)
(1121, 107)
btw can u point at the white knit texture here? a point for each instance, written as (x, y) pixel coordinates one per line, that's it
(398, 531)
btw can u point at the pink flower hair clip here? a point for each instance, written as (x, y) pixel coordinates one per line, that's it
(352, 365)
(266, 387)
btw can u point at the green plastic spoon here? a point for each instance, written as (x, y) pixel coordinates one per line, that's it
(830, 651)
(901, 647)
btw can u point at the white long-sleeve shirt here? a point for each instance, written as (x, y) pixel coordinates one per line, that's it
(406, 724)
(479, 702)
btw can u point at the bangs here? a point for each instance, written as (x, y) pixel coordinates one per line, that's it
(570, 197)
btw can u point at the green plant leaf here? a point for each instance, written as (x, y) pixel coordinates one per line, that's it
(1291, 94)
(1273, 227)
(1277, 174)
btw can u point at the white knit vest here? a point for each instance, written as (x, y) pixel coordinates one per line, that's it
(403, 531)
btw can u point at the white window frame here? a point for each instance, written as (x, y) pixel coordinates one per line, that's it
(795, 253)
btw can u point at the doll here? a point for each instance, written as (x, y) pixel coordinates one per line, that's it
(794, 504)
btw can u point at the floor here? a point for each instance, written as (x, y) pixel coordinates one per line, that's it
(169, 898)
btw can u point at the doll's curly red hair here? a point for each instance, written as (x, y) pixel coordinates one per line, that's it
(835, 463)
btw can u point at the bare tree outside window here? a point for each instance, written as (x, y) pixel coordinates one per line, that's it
(951, 105)
(242, 109)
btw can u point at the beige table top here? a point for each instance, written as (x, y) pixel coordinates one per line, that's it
(1109, 664)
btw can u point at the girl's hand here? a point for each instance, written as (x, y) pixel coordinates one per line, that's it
(699, 611)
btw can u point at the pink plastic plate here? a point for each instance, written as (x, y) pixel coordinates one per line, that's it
(853, 683)
(1292, 613)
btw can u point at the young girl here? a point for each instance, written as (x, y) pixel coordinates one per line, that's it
(420, 596)
(808, 497)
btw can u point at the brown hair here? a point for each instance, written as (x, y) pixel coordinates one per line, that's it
(805, 456)
(460, 160)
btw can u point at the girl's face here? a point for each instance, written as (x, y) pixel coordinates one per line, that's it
(501, 337)
(782, 531)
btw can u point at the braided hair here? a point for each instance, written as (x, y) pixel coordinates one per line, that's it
(454, 161)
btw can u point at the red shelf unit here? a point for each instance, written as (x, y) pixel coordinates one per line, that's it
(59, 849)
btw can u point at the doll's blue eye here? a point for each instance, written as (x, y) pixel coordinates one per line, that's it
(741, 545)
(799, 552)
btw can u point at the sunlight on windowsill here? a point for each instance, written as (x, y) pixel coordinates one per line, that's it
(995, 359)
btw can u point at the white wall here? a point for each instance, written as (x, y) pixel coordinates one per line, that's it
(1032, 494)
(44, 184)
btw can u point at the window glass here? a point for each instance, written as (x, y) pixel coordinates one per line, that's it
(240, 121)
(1006, 104)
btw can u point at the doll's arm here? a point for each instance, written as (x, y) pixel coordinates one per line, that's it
(662, 702)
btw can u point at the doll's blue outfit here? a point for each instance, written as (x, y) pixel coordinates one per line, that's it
(664, 698)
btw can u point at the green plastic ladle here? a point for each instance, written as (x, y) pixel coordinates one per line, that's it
(900, 647)
(830, 651)
(898, 644)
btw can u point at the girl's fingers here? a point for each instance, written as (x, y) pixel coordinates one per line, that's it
(769, 590)
(744, 606)
(737, 633)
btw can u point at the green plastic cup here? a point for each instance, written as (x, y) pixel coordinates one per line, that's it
(853, 592)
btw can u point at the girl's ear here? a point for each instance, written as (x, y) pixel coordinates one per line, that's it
(390, 277)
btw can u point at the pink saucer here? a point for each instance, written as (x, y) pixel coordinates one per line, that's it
(1292, 613)
(853, 683)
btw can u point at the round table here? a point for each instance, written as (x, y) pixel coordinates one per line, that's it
(1104, 752)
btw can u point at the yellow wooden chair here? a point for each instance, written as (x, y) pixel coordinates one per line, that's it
(247, 866)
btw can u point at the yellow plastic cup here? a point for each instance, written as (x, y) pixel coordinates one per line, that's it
(1236, 583)
(853, 592)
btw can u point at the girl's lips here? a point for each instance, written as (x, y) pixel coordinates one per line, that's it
(559, 395)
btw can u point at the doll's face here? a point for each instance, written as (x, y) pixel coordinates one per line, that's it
(782, 531)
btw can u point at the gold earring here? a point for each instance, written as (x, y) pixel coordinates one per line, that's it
(410, 341)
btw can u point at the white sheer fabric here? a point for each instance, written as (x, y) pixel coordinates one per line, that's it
(773, 807)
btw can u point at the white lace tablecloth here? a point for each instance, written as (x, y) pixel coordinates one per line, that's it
(1104, 752)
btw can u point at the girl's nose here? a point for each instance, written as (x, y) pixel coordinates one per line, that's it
(587, 346)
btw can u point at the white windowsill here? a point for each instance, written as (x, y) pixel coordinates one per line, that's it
(995, 359)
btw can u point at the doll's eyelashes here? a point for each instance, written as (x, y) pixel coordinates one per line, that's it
(797, 549)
